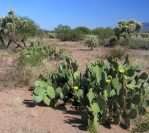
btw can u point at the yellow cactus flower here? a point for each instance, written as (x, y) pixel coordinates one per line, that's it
(108, 81)
(75, 88)
(121, 70)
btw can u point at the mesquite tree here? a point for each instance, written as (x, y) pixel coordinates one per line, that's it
(9, 26)
(127, 29)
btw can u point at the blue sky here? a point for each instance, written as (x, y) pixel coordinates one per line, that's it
(90, 13)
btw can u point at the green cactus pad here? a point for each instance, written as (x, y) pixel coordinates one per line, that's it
(138, 68)
(90, 96)
(116, 120)
(116, 84)
(39, 83)
(95, 108)
(130, 72)
(127, 122)
(51, 92)
(101, 102)
(136, 99)
(132, 114)
(38, 99)
(122, 102)
(143, 76)
(47, 100)
(39, 91)
(76, 75)
(59, 92)
(142, 111)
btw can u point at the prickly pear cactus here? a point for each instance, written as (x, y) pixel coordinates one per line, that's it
(63, 84)
(118, 89)
(113, 93)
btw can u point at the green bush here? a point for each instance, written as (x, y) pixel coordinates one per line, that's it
(103, 33)
(138, 44)
(127, 29)
(113, 93)
(83, 30)
(91, 41)
(57, 85)
(36, 52)
(31, 30)
(65, 33)
(145, 35)
(9, 28)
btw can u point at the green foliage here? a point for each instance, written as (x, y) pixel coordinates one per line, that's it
(126, 29)
(91, 41)
(91, 127)
(65, 33)
(113, 93)
(103, 33)
(138, 43)
(145, 35)
(51, 34)
(59, 85)
(36, 52)
(30, 30)
(83, 30)
(12, 23)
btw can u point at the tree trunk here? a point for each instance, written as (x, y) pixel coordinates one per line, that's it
(2, 40)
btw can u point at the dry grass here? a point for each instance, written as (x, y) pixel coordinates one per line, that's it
(136, 59)
(26, 75)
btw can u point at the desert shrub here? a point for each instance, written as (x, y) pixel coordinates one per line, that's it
(65, 33)
(103, 33)
(132, 43)
(20, 75)
(36, 52)
(117, 52)
(145, 35)
(83, 30)
(9, 27)
(113, 93)
(51, 35)
(91, 41)
(147, 31)
(127, 29)
(31, 30)
(138, 44)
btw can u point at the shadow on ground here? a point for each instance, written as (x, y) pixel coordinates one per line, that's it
(76, 122)
(29, 103)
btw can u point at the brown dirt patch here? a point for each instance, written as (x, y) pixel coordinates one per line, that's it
(19, 114)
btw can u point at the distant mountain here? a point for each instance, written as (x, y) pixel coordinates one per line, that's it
(145, 26)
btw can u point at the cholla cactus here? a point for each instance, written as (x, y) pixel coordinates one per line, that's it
(128, 29)
(9, 25)
(91, 41)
